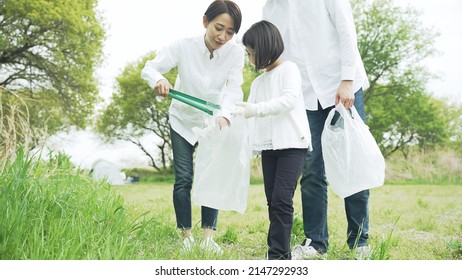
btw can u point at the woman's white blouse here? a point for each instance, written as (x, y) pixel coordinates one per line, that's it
(217, 80)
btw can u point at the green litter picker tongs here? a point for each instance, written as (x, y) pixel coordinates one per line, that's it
(195, 102)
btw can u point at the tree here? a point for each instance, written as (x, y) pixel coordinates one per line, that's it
(394, 43)
(135, 111)
(409, 119)
(49, 51)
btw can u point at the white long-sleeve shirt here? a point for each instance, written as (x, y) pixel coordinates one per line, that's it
(217, 80)
(281, 121)
(320, 37)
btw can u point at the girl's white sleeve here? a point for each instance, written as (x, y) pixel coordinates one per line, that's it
(290, 89)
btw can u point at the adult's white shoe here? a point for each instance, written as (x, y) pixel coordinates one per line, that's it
(188, 244)
(363, 253)
(211, 246)
(306, 252)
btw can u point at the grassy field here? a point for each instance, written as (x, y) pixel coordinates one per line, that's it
(407, 222)
(52, 211)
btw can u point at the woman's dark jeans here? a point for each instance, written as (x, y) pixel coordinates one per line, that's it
(183, 168)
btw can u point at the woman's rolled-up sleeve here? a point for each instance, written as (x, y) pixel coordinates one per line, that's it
(161, 64)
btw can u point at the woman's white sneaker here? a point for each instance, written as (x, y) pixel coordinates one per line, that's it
(188, 244)
(211, 246)
(306, 252)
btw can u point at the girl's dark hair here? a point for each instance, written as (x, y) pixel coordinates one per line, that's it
(219, 7)
(265, 39)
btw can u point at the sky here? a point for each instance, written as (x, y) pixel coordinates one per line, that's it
(446, 17)
(137, 27)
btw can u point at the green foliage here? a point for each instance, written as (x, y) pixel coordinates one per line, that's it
(406, 119)
(392, 40)
(394, 43)
(249, 74)
(49, 51)
(135, 111)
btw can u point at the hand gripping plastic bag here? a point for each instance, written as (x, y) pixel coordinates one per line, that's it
(352, 158)
(222, 167)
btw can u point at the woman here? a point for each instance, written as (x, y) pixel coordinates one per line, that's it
(209, 67)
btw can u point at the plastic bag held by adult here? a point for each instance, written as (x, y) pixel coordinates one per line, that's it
(222, 168)
(352, 158)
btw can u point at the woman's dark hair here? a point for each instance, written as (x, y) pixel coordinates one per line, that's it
(219, 7)
(265, 39)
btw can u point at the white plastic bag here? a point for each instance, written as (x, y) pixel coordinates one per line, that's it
(222, 167)
(352, 158)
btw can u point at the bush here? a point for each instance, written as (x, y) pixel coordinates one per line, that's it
(146, 175)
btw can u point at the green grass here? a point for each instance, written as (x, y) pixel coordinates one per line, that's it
(51, 210)
(411, 222)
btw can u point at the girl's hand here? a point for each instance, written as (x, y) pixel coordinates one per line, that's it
(222, 122)
(248, 109)
(163, 87)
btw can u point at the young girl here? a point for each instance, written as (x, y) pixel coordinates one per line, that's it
(210, 68)
(280, 129)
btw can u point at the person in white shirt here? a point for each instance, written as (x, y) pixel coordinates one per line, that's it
(320, 37)
(279, 131)
(210, 68)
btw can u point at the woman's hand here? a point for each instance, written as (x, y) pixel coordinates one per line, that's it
(163, 87)
(222, 122)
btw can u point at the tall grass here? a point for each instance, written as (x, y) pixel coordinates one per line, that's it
(50, 210)
(14, 125)
(441, 166)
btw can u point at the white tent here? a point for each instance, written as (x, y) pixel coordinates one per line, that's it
(103, 169)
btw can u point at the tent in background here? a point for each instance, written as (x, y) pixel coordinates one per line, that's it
(103, 169)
